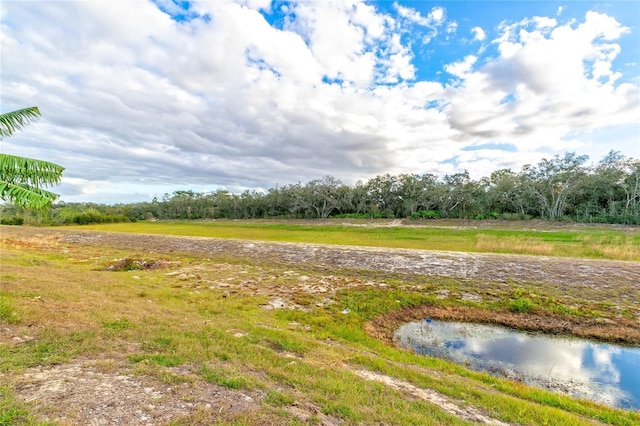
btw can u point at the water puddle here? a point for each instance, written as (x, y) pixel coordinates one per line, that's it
(605, 373)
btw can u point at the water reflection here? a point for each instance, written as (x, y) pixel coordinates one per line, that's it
(605, 373)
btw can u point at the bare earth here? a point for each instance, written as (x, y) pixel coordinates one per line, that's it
(595, 274)
(107, 392)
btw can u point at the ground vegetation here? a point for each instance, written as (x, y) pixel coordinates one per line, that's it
(104, 327)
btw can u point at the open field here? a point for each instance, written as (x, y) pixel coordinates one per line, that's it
(534, 237)
(103, 327)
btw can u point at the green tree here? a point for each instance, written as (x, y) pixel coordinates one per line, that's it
(508, 193)
(322, 196)
(22, 179)
(463, 195)
(553, 181)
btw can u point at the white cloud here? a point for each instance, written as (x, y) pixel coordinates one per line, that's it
(436, 16)
(366, 16)
(434, 19)
(130, 95)
(550, 81)
(257, 4)
(414, 16)
(478, 34)
(460, 69)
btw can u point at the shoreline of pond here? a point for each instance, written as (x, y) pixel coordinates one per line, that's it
(622, 331)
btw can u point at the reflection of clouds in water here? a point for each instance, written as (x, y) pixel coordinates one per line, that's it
(603, 357)
(582, 368)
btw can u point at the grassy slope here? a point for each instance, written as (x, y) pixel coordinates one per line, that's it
(162, 320)
(576, 241)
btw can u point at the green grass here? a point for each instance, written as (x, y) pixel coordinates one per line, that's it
(12, 412)
(583, 242)
(118, 325)
(7, 313)
(180, 328)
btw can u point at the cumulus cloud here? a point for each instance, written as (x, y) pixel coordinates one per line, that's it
(549, 80)
(478, 34)
(460, 69)
(145, 95)
(435, 17)
(430, 23)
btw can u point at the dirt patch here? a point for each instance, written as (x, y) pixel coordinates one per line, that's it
(107, 393)
(593, 274)
(128, 264)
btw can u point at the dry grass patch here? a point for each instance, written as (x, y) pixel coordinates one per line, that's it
(513, 244)
(616, 247)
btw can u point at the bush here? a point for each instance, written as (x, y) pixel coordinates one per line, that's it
(429, 214)
(424, 214)
(92, 216)
(15, 220)
(89, 217)
(521, 305)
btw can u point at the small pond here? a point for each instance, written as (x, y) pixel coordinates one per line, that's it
(605, 373)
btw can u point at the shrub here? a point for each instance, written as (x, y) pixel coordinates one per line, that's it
(93, 216)
(429, 214)
(424, 214)
(521, 305)
(87, 217)
(15, 220)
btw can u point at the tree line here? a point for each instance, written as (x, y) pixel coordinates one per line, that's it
(560, 188)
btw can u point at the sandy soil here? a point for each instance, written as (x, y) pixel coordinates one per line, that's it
(594, 274)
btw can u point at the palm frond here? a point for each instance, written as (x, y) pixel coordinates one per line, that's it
(29, 170)
(22, 178)
(11, 122)
(26, 195)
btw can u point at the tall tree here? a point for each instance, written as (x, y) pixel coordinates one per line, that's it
(322, 196)
(552, 181)
(22, 179)
(384, 196)
(506, 193)
(462, 197)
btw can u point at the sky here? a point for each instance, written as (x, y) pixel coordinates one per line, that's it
(143, 98)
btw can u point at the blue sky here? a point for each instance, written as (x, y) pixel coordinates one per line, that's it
(151, 97)
(488, 15)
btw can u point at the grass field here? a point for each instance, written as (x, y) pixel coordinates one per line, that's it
(208, 332)
(535, 238)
